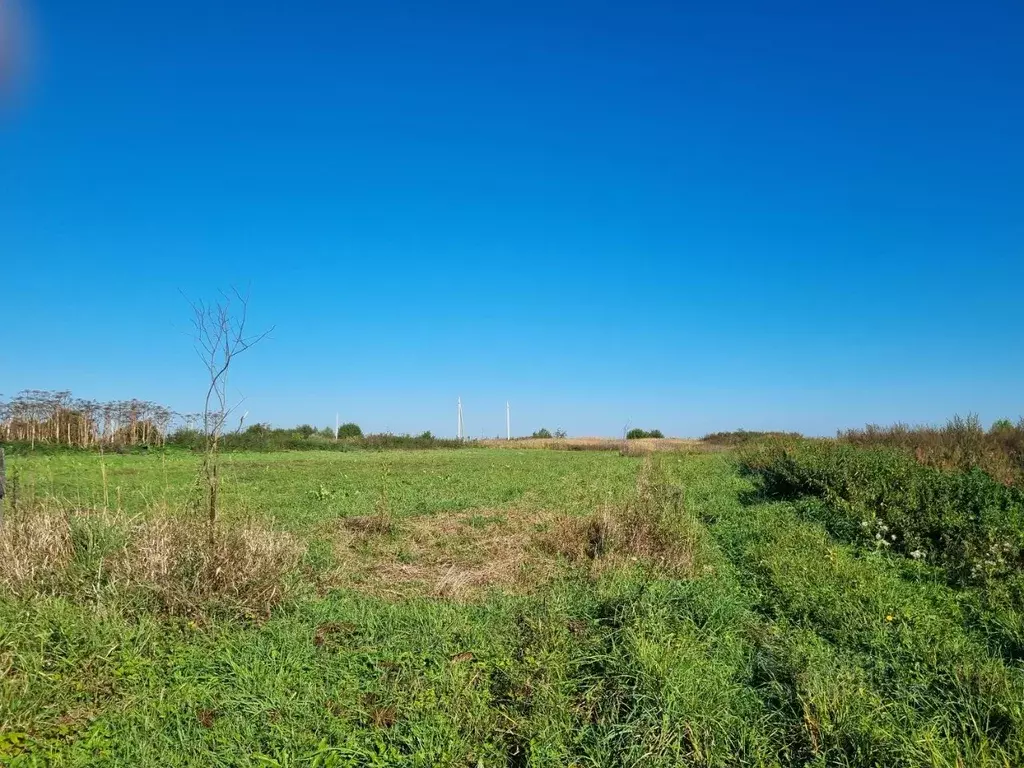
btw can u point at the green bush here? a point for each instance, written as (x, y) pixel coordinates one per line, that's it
(542, 432)
(967, 523)
(640, 434)
(349, 430)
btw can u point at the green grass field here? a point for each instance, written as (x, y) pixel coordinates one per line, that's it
(478, 607)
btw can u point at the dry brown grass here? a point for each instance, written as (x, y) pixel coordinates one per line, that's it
(246, 567)
(458, 556)
(34, 550)
(45, 550)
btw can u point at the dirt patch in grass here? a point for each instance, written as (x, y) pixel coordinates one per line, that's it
(378, 525)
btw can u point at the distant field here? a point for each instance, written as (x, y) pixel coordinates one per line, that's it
(597, 443)
(491, 607)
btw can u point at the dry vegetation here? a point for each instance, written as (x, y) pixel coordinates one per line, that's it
(165, 561)
(458, 555)
(653, 527)
(165, 557)
(962, 444)
(462, 555)
(630, 447)
(34, 549)
(58, 418)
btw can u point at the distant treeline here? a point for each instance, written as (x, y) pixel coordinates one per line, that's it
(262, 437)
(54, 420)
(58, 418)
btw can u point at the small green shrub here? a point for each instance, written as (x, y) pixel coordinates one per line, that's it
(640, 434)
(349, 430)
(542, 433)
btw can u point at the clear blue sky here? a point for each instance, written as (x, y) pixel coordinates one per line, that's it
(686, 216)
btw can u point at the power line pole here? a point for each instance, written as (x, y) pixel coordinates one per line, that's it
(336, 425)
(460, 419)
(508, 421)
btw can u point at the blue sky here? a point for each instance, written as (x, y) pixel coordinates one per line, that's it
(685, 216)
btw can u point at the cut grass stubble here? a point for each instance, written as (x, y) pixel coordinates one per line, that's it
(463, 555)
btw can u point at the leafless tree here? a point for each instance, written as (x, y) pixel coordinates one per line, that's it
(220, 336)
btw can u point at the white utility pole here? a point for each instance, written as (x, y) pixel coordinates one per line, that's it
(460, 418)
(508, 421)
(336, 425)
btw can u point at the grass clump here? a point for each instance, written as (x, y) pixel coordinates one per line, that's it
(164, 563)
(34, 550)
(246, 570)
(651, 528)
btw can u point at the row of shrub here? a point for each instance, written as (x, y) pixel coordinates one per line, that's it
(545, 434)
(261, 437)
(963, 443)
(966, 522)
(640, 434)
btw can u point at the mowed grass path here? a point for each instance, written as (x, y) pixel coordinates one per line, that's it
(779, 647)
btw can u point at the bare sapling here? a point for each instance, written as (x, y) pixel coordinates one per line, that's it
(220, 337)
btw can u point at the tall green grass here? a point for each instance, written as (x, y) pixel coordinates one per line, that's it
(886, 669)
